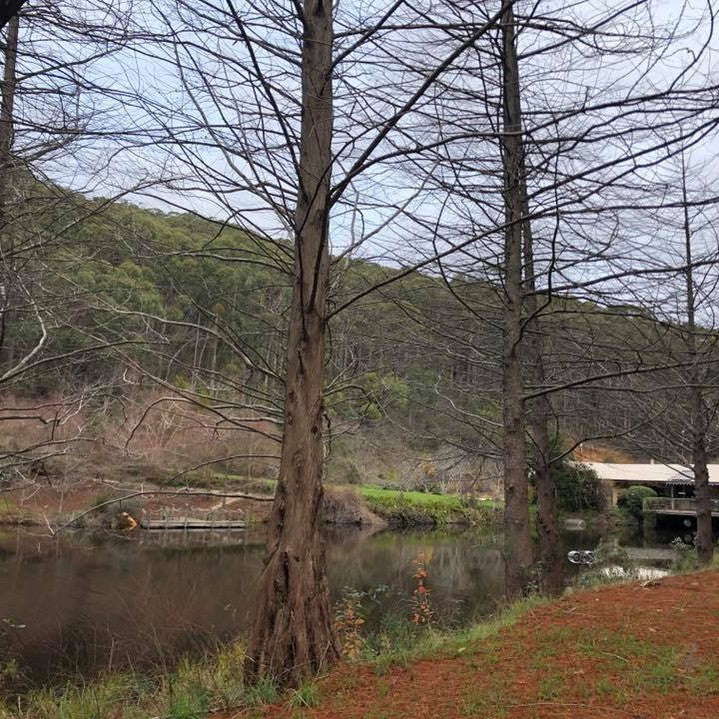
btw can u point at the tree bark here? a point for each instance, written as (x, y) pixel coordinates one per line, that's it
(7, 251)
(517, 544)
(539, 410)
(293, 636)
(551, 550)
(704, 541)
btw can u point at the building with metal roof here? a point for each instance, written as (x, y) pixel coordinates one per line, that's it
(670, 480)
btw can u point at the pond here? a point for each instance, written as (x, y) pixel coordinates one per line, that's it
(81, 604)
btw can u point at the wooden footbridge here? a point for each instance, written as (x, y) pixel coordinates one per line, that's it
(214, 519)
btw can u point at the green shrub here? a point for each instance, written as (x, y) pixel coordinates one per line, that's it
(262, 692)
(631, 500)
(577, 486)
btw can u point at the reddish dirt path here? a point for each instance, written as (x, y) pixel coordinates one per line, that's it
(625, 652)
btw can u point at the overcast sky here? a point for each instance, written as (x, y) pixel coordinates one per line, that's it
(186, 120)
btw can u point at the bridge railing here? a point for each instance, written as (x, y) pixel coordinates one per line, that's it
(677, 504)
(182, 517)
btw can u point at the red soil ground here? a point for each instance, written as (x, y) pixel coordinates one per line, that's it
(624, 652)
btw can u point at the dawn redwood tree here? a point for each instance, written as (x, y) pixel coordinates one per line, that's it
(293, 635)
(682, 398)
(524, 334)
(685, 399)
(518, 548)
(593, 149)
(700, 417)
(539, 411)
(284, 169)
(523, 346)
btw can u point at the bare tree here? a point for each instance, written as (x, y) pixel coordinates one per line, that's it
(293, 635)
(574, 190)
(276, 168)
(518, 550)
(683, 399)
(48, 113)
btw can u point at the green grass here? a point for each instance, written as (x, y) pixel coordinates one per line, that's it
(551, 688)
(263, 692)
(191, 691)
(192, 702)
(306, 696)
(96, 700)
(414, 644)
(491, 700)
(405, 508)
(451, 501)
(409, 508)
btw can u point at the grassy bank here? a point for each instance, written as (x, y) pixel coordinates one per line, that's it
(397, 507)
(346, 504)
(422, 508)
(645, 651)
(192, 691)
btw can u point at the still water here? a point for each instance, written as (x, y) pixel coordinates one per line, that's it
(80, 604)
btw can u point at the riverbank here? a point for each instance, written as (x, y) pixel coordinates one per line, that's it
(646, 651)
(640, 650)
(71, 503)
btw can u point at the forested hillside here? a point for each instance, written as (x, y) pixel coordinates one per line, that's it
(123, 314)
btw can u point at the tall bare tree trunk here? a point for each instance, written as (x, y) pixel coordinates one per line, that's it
(704, 541)
(517, 544)
(539, 411)
(293, 635)
(7, 103)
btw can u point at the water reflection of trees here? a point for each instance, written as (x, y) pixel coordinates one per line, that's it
(145, 602)
(466, 574)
